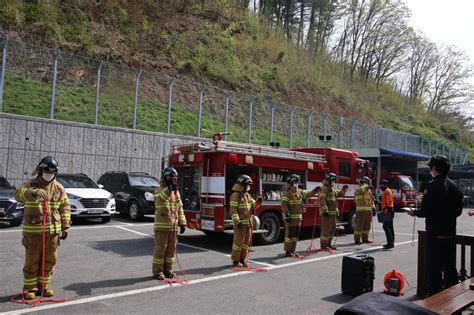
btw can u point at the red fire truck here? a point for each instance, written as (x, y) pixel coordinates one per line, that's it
(207, 171)
(404, 192)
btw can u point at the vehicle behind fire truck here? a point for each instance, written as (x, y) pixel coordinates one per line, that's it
(207, 172)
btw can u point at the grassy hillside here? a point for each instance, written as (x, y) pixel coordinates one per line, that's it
(208, 41)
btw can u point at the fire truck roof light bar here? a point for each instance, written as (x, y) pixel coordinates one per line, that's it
(224, 146)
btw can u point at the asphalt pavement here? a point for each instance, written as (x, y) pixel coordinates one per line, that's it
(106, 268)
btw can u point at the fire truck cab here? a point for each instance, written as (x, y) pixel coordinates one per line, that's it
(208, 170)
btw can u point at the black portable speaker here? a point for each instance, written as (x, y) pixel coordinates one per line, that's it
(357, 274)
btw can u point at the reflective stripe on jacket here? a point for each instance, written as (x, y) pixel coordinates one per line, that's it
(328, 199)
(241, 205)
(168, 209)
(364, 198)
(58, 216)
(292, 201)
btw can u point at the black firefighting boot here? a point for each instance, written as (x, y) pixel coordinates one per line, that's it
(170, 274)
(236, 263)
(244, 263)
(160, 276)
(30, 295)
(288, 254)
(48, 292)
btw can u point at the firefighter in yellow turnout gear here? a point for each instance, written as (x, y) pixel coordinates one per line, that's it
(168, 215)
(32, 194)
(241, 205)
(328, 209)
(364, 200)
(292, 206)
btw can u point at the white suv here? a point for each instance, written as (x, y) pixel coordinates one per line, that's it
(88, 200)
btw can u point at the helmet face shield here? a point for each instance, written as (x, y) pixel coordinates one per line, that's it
(331, 177)
(169, 173)
(47, 164)
(293, 179)
(244, 180)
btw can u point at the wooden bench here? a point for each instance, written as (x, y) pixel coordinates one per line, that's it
(452, 300)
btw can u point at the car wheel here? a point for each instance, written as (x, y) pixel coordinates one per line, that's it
(350, 226)
(134, 211)
(15, 222)
(270, 222)
(105, 219)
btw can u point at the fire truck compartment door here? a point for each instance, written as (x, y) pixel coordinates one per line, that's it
(213, 185)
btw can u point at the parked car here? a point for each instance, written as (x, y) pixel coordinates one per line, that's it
(467, 200)
(10, 210)
(87, 199)
(133, 192)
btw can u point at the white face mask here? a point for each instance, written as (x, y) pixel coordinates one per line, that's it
(48, 176)
(247, 188)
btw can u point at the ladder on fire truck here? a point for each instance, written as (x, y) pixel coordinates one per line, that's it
(242, 148)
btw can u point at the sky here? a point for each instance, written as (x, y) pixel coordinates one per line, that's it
(449, 23)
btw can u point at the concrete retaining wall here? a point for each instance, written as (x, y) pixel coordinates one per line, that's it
(79, 148)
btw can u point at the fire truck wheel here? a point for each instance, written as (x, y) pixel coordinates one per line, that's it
(134, 211)
(350, 226)
(269, 221)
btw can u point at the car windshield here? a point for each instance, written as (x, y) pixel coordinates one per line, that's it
(406, 183)
(71, 181)
(4, 184)
(145, 181)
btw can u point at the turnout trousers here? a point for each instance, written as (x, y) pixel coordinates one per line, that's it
(163, 251)
(32, 270)
(363, 220)
(328, 229)
(240, 245)
(292, 235)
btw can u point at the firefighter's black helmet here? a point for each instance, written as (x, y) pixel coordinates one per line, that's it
(365, 179)
(330, 177)
(47, 163)
(170, 171)
(244, 180)
(293, 178)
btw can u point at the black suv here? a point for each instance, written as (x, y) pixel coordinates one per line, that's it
(10, 210)
(134, 192)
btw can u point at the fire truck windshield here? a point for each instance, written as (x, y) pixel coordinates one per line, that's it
(189, 185)
(406, 183)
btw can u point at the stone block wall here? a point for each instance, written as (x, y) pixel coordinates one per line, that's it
(79, 148)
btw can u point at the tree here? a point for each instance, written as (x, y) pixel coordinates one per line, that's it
(420, 63)
(449, 89)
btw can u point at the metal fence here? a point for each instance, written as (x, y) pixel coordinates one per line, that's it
(43, 82)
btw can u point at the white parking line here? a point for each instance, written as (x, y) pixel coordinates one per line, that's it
(190, 282)
(397, 233)
(139, 233)
(197, 247)
(92, 227)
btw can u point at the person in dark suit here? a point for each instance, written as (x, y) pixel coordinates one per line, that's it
(441, 205)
